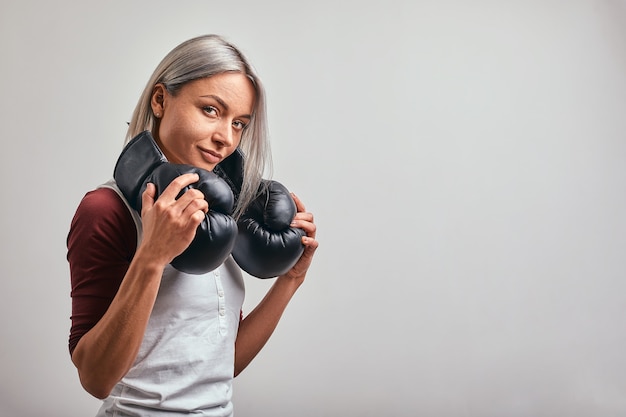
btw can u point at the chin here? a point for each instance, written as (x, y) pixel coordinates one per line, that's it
(205, 166)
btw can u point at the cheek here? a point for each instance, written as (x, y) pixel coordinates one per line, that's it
(244, 136)
(170, 134)
(172, 127)
(236, 141)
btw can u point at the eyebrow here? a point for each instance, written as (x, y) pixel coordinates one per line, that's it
(224, 105)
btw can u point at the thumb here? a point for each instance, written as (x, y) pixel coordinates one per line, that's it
(147, 198)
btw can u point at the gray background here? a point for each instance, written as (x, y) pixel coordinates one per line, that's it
(464, 160)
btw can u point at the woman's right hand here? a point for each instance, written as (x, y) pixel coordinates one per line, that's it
(107, 351)
(169, 224)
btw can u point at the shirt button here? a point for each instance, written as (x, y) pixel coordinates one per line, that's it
(222, 313)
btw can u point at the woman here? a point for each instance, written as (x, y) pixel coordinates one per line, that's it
(146, 338)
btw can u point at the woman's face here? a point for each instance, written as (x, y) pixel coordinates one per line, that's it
(202, 124)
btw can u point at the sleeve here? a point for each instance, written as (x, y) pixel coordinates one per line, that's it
(100, 246)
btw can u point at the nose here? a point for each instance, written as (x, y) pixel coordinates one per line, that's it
(223, 134)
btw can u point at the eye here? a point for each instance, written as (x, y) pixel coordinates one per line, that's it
(239, 125)
(210, 110)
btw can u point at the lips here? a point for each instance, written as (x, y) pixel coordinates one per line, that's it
(210, 156)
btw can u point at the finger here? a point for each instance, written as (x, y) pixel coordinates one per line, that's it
(194, 197)
(309, 240)
(196, 218)
(303, 223)
(301, 219)
(196, 205)
(309, 228)
(299, 204)
(147, 198)
(310, 246)
(304, 216)
(180, 182)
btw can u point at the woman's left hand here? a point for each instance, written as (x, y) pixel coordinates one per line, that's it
(303, 220)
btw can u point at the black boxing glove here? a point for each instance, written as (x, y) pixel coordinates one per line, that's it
(267, 245)
(138, 159)
(216, 234)
(142, 162)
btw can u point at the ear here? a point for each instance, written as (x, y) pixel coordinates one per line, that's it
(157, 100)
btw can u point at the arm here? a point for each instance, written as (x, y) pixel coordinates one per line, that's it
(106, 352)
(256, 329)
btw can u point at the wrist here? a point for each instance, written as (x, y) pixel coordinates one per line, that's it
(290, 280)
(147, 262)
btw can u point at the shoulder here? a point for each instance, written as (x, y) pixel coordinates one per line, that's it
(100, 246)
(102, 215)
(101, 200)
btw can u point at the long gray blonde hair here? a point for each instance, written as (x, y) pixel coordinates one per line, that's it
(202, 57)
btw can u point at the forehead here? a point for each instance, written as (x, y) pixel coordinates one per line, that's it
(234, 89)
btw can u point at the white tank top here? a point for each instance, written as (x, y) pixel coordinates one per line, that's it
(186, 361)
